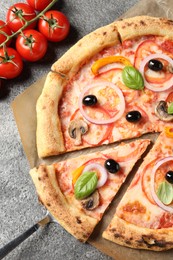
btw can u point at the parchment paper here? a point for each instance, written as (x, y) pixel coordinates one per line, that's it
(24, 112)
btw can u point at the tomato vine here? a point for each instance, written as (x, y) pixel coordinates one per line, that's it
(27, 23)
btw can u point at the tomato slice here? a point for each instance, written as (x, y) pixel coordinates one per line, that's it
(145, 49)
(102, 132)
(145, 181)
(166, 220)
(99, 160)
(112, 75)
(159, 177)
(167, 46)
(169, 97)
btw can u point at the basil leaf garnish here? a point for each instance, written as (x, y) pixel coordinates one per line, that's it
(165, 193)
(132, 78)
(170, 108)
(85, 185)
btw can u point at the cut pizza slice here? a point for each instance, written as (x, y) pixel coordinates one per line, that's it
(144, 216)
(112, 85)
(78, 191)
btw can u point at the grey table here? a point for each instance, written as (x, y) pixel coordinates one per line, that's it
(19, 208)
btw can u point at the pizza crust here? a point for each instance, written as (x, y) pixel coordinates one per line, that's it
(72, 219)
(49, 135)
(126, 234)
(144, 25)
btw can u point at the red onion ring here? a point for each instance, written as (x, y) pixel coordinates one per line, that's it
(153, 193)
(142, 66)
(103, 173)
(106, 121)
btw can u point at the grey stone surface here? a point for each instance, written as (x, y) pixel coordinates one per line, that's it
(19, 208)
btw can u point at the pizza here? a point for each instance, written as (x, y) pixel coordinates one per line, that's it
(113, 86)
(146, 221)
(78, 191)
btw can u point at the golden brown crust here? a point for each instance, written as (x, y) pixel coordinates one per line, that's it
(126, 234)
(71, 218)
(49, 136)
(144, 25)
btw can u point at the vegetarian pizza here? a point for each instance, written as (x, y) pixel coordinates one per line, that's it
(146, 221)
(114, 84)
(78, 191)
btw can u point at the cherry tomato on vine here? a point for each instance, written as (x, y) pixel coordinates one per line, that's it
(54, 25)
(39, 5)
(31, 45)
(4, 29)
(11, 64)
(17, 14)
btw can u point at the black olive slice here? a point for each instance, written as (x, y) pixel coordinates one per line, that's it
(169, 176)
(155, 65)
(133, 116)
(112, 166)
(89, 100)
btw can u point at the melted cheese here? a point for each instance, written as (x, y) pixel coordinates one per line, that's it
(143, 101)
(139, 194)
(125, 154)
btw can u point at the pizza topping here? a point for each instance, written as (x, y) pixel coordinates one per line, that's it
(85, 185)
(169, 131)
(169, 176)
(89, 100)
(92, 201)
(155, 65)
(133, 116)
(161, 111)
(76, 173)
(162, 188)
(134, 207)
(142, 70)
(76, 129)
(112, 166)
(170, 108)
(107, 60)
(132, 78)
(120, 106)
(102, 173)
(165, 193)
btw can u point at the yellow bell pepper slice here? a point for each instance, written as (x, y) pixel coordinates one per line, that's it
(107, 60)
(169, 131)
(76, 173)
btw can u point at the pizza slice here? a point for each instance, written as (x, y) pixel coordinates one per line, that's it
(114, 84)
(144, 216)
(78, 191)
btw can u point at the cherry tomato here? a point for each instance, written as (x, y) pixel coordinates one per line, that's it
(16, 15)
(39, 5)
(31, 45)
(11, 64)
(4, 29)
(54, 25)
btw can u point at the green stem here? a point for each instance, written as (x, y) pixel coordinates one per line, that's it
(28, 23)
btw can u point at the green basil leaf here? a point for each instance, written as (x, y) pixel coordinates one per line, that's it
(170, 108)
(165, 192)
(85, 185)
(132, 78)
